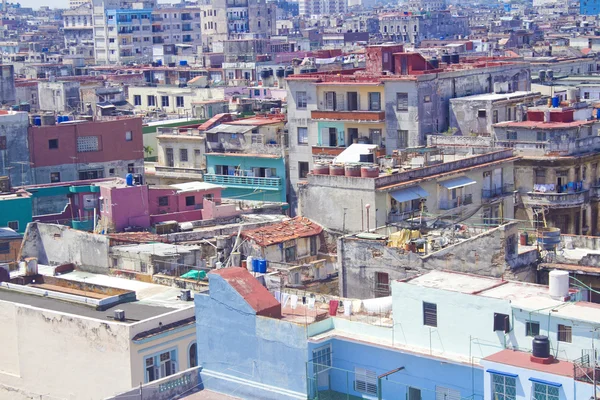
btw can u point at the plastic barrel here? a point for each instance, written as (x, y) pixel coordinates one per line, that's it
(555, 101)
(255, 266)
(262, 266)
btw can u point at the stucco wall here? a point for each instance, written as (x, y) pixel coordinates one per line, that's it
(60, 355)
(57, 244)
(261, 357)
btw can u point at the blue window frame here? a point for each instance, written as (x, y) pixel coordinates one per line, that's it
(160, 365)
(544, 390)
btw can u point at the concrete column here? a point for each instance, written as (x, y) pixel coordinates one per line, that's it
(550, 175)
(588, 221)
(572, 229)
(572, 174)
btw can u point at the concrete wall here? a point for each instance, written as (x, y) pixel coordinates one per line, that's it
(57, 244)
(59, 96)
(243, 354)
(164, 389)
(13, 127)
(7, 84)
(486, 254)
(92, 356)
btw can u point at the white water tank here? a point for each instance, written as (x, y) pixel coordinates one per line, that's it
(559, 284)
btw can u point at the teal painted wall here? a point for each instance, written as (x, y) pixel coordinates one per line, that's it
(246, 163)
(329, 124)
(16, 209)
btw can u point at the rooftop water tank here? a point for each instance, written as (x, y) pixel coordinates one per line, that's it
(280, 72)
(289, 71)
(550, 74)
(129, 179)
(542, 75)
(541, 346)
(262, 265)
(559, 284)
(183, 63)
(255, 267)
(454, 58)
(435, 63)
(446, 58)
(264, 73)
(250, 263)
(548, 238)
(321, 169)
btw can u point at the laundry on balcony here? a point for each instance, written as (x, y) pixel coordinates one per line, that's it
(543, 188)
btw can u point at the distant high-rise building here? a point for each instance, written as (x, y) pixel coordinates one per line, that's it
(427, 5)
(322, 7)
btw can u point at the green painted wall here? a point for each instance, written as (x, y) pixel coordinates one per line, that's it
(322, 141)
(16, 209)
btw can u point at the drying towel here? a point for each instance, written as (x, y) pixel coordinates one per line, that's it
(294, 301)
(333, 306)
(284, 299)
(347, 307)
(277, 294)
(311, 302)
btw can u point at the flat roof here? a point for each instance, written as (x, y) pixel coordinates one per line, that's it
(134, 311)
(497, 96)
(455, 282)
(521, 359)
(159, 249)
(194, 186)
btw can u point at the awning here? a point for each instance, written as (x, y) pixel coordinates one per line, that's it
(555, 384)
(408, 194)
(457, 182)
(496, 372)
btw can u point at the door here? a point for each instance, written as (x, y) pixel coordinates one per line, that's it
(497, 180)
(333, 137)
(352, 101)
(170, 159)
(487, 184)
(414, 393)
(352, 135)
(197, 159)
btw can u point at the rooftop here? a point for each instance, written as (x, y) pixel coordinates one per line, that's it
(7, 233)
(496, 96)
(523, 360)
(195, 186)
(158, 249)
(544, 125)
(294, 228)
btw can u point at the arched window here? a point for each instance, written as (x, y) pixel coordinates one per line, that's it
(193, 355)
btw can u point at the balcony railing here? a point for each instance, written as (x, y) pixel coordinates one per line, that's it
(244, 182)
(503, 190)
(457, 202)
(555, 200)
(358, 115)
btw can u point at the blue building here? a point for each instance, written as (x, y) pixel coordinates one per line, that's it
(259, 177)
(589, 7)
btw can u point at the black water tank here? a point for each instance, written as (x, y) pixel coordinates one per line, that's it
(446, 58)
(435, 63)
(541, 346)
(455, 58)
(289, 71)
(264, 73)
(280, 72)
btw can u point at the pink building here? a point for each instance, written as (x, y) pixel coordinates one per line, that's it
(80, 150)
(122, 206)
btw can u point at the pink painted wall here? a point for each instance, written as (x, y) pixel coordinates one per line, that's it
(199, 198)
(126, 206)
(212, 210)
(112, 143)
(183, 216)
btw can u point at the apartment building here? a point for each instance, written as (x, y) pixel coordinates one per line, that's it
(316, 8)
(414, 28)
(399, 100)
(177, 26)
(78, 30)
(172, 99)
(347, 347)
(557, 175)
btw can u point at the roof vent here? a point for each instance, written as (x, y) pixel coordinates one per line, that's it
(119, 315)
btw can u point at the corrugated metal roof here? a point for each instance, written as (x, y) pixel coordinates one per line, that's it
(226, 128)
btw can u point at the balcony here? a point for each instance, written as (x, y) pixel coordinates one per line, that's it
(457, 202)
(244, 182)
(488, 195)
(358, 116)
(555, 200)
(595, 192)
(327, 152)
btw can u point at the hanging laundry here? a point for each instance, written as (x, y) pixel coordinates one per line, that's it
(347, 307)
(311, 302)
(294, 301)
(277, 294)
(284, 299)
(333, 307)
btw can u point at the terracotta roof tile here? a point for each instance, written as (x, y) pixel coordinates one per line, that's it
(294, 228)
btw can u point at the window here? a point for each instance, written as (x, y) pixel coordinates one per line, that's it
(14, 225)
(365, 381)
(313, 246)
(402, 139)
(183, 155)
(564, 333)
(54, 177)
(443, 393)
(164, 101)
(322, 358)
(481, 113)
(302, 135)
(151, 101)
(53, 144)
(302, 169)
(143, 266)
(541, 136)
(414, 393)
(4, 248)
(163, 201)
(161, 365)
(130, 168)
(382, 284)
(495, 117)
(128, 136)
(137, 100)
(402, 101)
(87, 143)
(179, 100)
(511, 135)
(91, 174)
(301, 99)
(543, 391)
(330, 101)
(190, 200)
(504, 387)
(532, 328)
(374, 101)
(429, 314)
(501, 322)
(193, 355)
(290, 254)
(586, 95)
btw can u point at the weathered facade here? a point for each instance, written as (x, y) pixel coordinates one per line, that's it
(7, 84)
